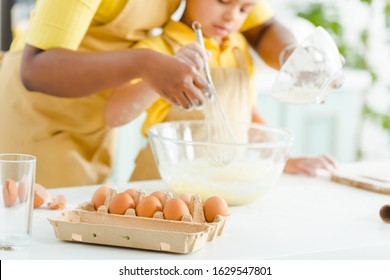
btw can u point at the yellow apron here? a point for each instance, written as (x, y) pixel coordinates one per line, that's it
(232, 86)
(68, 136)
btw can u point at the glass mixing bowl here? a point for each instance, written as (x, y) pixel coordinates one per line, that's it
(185, 157)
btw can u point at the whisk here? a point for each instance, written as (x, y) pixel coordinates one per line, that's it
(220, 130)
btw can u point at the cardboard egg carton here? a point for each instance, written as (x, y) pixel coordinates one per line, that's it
(87, 225)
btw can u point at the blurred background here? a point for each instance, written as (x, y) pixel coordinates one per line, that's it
(352, 125)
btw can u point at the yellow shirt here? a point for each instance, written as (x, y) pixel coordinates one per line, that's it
(222, 56)
(52, 29)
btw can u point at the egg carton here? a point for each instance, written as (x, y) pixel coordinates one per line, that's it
(87, 225)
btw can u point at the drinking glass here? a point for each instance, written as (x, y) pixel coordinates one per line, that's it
(17, 178)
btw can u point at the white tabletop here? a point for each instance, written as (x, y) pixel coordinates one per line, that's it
(301, 218)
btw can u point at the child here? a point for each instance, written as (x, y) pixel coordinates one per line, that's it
(231, 69)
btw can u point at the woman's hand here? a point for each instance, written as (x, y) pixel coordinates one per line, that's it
(309, 165)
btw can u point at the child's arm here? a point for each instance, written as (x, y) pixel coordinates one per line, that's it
(269, 39)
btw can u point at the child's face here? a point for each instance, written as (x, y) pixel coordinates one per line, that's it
(219, 18)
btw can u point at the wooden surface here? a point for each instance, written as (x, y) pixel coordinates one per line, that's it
(371, 176)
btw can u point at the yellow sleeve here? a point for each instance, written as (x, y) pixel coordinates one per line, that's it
(159, 109)
(259, 14)
(60, 24)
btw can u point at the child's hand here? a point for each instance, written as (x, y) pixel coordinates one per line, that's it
(193, 55)
(309, 165)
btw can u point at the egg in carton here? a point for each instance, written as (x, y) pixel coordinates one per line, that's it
(194, 203)
(88, 225)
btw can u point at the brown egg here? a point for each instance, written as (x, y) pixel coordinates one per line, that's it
(40, 195)
(186, 197)
(214, 206)
(10, 193)
(160, 195)
(147, 206)
(120, 203)
(132, 192)
(99, 196)
(175, 209)
(57, 203)
(22, 192)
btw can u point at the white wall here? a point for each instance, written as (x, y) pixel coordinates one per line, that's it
(130, 141)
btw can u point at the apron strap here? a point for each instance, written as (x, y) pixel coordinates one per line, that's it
(239, 55)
